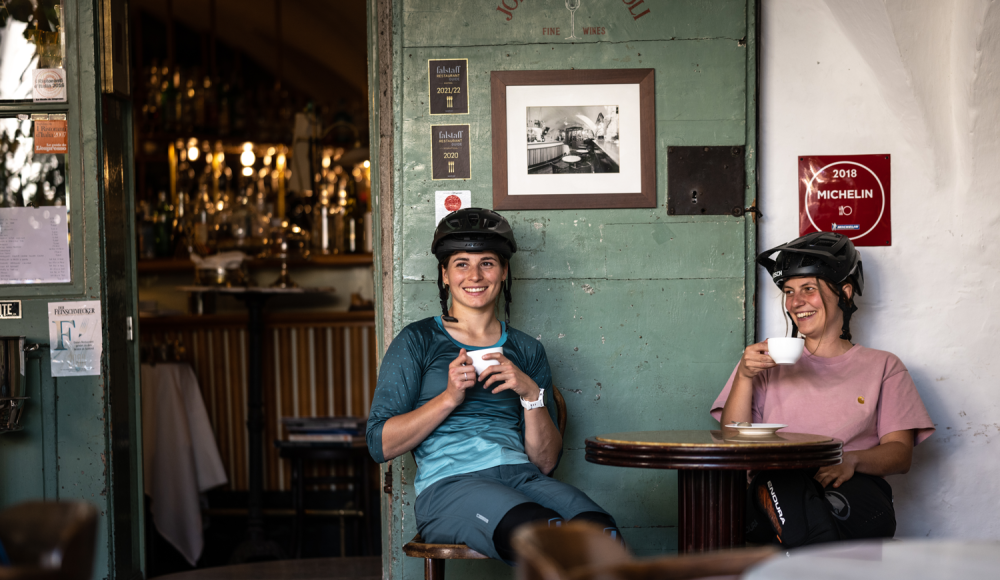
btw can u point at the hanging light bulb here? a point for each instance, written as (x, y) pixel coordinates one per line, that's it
(247, 157)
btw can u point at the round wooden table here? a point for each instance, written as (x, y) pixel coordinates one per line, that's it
(711, 472)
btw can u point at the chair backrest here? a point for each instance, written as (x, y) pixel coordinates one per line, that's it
(560, 410)
(545, 553)
(49, 540)
(581, 551)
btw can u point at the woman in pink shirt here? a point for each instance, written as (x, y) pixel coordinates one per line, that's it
(862, 396)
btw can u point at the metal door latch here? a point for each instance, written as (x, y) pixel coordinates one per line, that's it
(387, 488)
(128, 328)
(739, 211)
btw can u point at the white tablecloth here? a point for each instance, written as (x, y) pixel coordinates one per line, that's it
(180, 458)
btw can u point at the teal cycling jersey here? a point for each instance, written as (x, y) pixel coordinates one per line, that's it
(485, 431)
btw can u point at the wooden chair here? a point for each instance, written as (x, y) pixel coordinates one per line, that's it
(49, 540)
(581, 551)
(434, 555)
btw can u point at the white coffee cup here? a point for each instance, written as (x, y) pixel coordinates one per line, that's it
(785, 351)
(477, 358)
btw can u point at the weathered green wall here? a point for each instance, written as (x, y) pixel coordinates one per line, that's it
(643, 315)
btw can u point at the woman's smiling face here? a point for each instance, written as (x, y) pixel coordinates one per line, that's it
(475, 280)
(811, 304)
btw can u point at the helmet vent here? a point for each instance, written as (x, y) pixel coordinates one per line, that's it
(474, 218)
(454, 223)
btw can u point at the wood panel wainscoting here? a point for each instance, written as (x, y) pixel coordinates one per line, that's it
(315, 364)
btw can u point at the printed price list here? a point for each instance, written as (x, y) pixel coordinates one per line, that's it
(34, 245)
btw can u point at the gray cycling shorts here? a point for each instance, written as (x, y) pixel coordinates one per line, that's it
(466, 508)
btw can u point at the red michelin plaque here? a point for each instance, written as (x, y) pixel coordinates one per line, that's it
(846, 194)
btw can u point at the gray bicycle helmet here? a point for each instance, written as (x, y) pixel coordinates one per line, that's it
(474, 230)
(825, 255)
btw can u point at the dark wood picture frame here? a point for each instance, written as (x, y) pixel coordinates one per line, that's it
(646, 197)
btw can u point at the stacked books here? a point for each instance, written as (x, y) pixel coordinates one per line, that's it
(346, 430)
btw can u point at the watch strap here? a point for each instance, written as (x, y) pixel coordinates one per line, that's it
(535, 404)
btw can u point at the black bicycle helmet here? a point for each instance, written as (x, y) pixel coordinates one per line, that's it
(825, 255)
(475, 230)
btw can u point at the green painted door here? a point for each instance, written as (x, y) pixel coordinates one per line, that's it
(81, 437)
(643, 314)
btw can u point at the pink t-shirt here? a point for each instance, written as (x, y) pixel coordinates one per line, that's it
(857, 397)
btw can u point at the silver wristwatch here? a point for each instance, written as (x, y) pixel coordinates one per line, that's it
(534, 404)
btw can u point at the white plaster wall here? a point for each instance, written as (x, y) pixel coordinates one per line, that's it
(920, 80)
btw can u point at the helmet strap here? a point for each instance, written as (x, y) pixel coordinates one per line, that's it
(506, 295)
(795, 327)
(848, 311)
(443, 293)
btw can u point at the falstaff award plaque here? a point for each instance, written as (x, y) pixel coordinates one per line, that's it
(450, 157)
(448, 83)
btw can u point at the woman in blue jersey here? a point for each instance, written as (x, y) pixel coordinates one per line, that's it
(484, 444)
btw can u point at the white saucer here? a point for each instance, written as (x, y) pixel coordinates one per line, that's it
(759, 428)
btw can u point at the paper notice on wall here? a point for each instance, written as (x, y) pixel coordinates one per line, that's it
(75, 338)
(34, 245)
(446, 202)
(48, 85)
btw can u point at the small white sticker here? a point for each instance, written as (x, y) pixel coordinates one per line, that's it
(446, 202)
(75, 338)
(480, 516)
(48, 85)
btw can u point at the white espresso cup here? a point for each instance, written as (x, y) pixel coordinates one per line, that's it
(785, 351)
(477, 358)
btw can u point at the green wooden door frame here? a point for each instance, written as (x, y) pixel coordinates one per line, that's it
(383, 141)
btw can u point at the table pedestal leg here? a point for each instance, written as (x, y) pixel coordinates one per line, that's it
(712, 507)
(256, 548)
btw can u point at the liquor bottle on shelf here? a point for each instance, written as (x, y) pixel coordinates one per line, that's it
(164, 229)
(366, 199)
(146, 231)
(151, 106)
(186, 115)
(224, 110)
(210, 95)
(327, 225)
(168, 102)
(354, 218)
(203, 222)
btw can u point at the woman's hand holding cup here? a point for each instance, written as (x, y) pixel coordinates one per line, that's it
(755, 359)
(461, 376)
(509, 376)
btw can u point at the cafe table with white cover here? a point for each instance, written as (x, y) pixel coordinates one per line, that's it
(180, 456)
(885, 560)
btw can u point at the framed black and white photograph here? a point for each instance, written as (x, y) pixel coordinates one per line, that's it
(573, 139)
